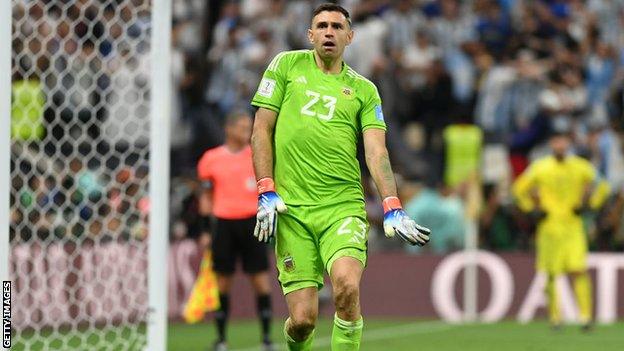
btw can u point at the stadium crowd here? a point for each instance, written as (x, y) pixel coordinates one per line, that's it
(471, 90)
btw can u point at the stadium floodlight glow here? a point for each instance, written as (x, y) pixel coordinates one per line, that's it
(88, 183)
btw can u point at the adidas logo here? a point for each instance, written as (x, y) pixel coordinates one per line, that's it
(301, 80)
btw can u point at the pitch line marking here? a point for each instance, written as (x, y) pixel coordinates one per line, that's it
(378, 334)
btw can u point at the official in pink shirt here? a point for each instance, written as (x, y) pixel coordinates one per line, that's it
(230, 201)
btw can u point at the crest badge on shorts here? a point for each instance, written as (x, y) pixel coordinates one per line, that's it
(289, 264)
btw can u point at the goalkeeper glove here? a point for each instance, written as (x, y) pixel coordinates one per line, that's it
(269, 204)
(396, 221)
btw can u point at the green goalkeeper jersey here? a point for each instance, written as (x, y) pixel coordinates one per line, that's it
(320, 117)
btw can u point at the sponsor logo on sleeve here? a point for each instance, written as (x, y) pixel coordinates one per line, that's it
(379, 113)
(266, 88)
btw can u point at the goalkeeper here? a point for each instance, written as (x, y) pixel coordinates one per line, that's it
(311, 109)
(556, 190)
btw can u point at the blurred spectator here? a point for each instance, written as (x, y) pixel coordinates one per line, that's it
(417, 58)
(494, 28)
(403, 22)
(229, 84)
(27, 106)
(128, 78)
(441, 209)
(605, 153)
(463, 144)
(498, 230)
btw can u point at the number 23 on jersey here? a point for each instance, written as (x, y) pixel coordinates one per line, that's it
(311, 108)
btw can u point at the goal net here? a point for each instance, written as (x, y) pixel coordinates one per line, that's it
(80, 168)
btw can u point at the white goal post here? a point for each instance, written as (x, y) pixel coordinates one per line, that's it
(5, 136)
(85, 92)
(159, 187)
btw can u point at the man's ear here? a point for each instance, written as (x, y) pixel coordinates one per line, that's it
(310, 36)
(350, 36)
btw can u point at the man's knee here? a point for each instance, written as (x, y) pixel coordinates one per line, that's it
(301, 324)
(346, 293)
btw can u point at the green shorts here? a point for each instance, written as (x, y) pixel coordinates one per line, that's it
(310, 238)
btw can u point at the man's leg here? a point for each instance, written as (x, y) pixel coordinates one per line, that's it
(346, 273)
(576, 266)
(303, 311)
(224, 282)
(583, 292)
(550, 261)
(256, 264)
(554, 314)
(300, 274)
(224, 259)
(260, 282)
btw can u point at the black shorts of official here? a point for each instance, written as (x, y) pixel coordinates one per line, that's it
(234, 238)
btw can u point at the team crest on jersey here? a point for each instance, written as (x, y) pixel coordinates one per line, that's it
(289, 264)
(348, 93)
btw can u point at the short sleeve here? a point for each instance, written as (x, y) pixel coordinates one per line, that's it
(204, 168)
(371, 114)
(523, 186)
(588, 171)
(272, 86)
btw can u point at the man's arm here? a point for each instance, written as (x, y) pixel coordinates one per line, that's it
(527, 195)
(262, 142)
(396, 221)
(205, 213)
(205, 176)
(600, 191)
(378, 162)
(205, 202)
(597, 189)
(269, 203)
(524, 191)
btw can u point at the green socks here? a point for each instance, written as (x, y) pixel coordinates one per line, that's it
(346, 335)
(305, 345)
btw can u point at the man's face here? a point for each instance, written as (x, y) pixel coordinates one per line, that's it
(560, 145)
(330, 34)
(240, 131)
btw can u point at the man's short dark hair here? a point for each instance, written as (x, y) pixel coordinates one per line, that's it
(328, 6)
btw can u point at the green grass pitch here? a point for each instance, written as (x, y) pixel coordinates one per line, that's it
(379, 335)
(402, 334)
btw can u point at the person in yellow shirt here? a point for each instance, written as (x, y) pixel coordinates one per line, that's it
(555, 191)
